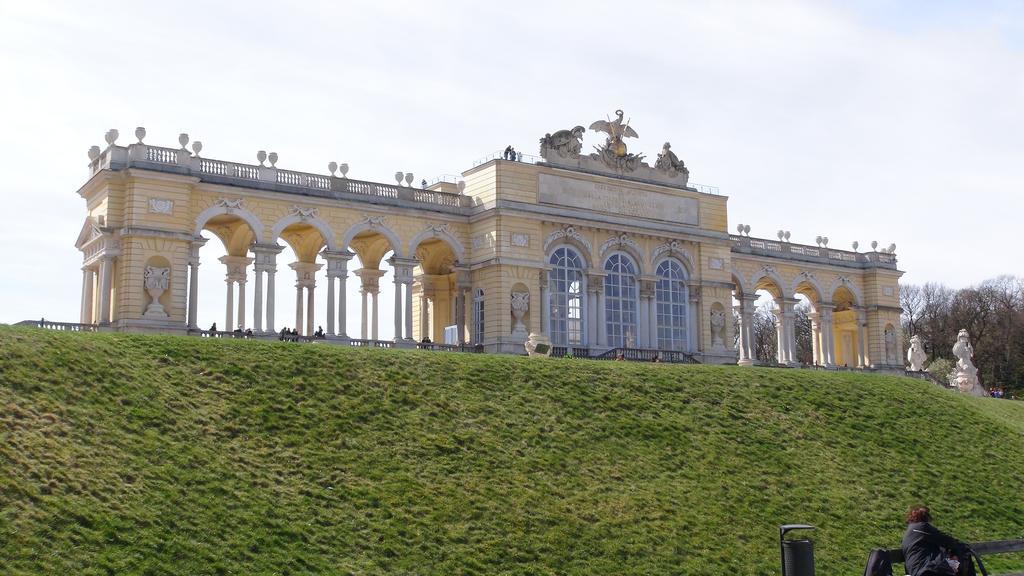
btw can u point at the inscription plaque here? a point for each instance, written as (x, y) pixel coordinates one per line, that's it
(614, 199)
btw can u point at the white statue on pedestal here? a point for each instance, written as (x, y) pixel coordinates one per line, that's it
(717, 330)
(966, 377)
(916, 355)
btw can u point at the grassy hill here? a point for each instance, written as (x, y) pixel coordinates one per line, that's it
(169, 455)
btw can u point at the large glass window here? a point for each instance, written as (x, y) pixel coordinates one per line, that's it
(620, 301)
(478, 316)
(565, 283)
(671, 302)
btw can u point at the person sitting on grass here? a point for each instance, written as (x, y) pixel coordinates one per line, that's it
(927, 551)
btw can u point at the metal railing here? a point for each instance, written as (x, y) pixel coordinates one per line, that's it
(648, 355)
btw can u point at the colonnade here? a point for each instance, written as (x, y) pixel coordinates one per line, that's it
(97, 288)
(822, 333)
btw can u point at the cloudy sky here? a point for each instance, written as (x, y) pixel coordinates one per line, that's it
(897, 122)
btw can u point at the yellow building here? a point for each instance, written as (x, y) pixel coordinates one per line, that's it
(602, 253)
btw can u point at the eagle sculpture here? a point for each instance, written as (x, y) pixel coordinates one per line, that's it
(616, 130)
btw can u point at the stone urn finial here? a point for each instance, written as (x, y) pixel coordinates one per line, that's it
(461, 185)
(408, 178)
(111, 136)
(261, 156)
(94, 153)
(398, 177)
(332, 167)
(197, 147)
(140, 133)
(343, 169)
(272, 157)
(183, 140)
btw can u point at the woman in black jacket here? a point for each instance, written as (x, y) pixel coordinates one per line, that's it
(928, 551)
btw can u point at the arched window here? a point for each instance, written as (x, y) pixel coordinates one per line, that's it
(620, 301)
(478, 316)
(671, 302)
(565, 281)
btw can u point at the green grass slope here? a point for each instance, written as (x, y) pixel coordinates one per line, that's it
(170, 455)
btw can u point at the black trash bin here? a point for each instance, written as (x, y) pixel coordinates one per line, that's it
(797, 553)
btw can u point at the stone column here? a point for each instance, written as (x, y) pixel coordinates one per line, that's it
(337, 267)
(270, 299)
(298, 308)
(398, 310)
(460, 313)
(236, 267)
(330, 303)
(364, 332)
(815, 338)
(229, 312)
(310, 320)
(827, 338)
(746, 312)
(266, 262)
(408, 307)
(789, 325)
(241, 304)
(653, 319)
(862, 350)
(375, 325)
(305, 278)
(602, 316)
(87, 283)
(193, 294)
(696, 324)
(643, 320)
(425, 317)
(106, 279)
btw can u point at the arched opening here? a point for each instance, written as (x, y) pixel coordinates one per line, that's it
(807, 322)
(845, 331)
(220, 294)
(774, 333)
(436, 294)
(372, 298)
(566, 288)
(300, 286)
(621, 301)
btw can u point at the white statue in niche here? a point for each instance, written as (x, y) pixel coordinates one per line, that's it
(156, 281)
(520, 304)
(890, 346)
(717, 329)
(966, 376)
(916, 355)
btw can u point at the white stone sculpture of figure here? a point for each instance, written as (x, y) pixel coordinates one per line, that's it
(156, 282)
(537, 345)
(890, 346)
(966, 377)
(564, 143)
(916, 355)
(717, 328)
(520, 304)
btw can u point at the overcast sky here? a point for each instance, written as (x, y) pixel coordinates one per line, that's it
(892, 121)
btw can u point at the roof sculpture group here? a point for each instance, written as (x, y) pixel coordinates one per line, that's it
(564, 148)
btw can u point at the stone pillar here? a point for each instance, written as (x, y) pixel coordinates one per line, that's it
(463, 285)
(653, 319)
(88, 281)
(408, 307)
(398, 310)
(298, 308)
(424, 315)
(827, 336)
(364, 332)
(815, 338)
(696, 325)
(106, 280)
(643, 320)
(229, 312)
(337, 267)
(370, 287)
(747, 312)
(789, 329)
(310, 320)
(236, 273)
(266, 262)
(862, 349)
(193, 294)
(375, 326)
(305, 278)
(241, 304)
(602, 317)
(270, 299)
